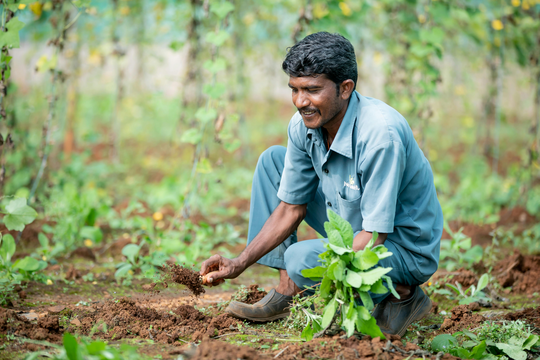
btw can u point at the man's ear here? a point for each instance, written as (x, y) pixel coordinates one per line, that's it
(346, 88)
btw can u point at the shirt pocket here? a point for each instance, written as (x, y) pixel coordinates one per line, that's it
(350, 210)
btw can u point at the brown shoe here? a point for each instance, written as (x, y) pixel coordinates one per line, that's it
(395, 317)
(272, 307)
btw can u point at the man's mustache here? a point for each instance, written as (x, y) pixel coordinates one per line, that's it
(308, 109)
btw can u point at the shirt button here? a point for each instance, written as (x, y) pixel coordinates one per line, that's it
(329, 204)
(326, 171)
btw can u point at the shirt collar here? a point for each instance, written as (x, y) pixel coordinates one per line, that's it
(342, 143)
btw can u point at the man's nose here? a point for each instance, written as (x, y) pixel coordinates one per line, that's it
(301, 100)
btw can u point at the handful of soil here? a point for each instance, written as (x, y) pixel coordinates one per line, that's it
(180, 275)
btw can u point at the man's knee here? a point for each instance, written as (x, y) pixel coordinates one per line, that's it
(297, 258)
(272, 156)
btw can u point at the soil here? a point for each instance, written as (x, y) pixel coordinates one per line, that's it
(48, 327)
(462, 318)
(184, 276)
(531, 315)
(124, 319)
(254, 295)
(463, 276)
(219, 350)
(521, 272)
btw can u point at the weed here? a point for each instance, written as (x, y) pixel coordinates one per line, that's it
(458, 251)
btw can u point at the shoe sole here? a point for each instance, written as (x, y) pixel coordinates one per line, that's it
(266, 319)
(419, 314)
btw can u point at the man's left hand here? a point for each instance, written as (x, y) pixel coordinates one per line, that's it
(363, 237)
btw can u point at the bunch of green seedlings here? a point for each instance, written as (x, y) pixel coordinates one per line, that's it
(470, 295)
(458, 251)
(493, 340)
(98, 350)
(346, 277)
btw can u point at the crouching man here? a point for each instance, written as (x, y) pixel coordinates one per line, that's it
(352, 154)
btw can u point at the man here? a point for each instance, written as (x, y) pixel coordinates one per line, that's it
(352, 154)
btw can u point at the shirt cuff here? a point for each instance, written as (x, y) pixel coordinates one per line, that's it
(294, 199)
(384, 227)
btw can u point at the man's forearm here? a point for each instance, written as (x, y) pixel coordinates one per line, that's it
(363, 237)
(281, 224)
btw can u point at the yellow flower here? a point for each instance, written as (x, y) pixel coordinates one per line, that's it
(421, 18)
(516, 3)
(525, 5)
(22, 6)
(157, 216)
(49, 282)
(345, 9)
(44, 258)
(88, 243)
(429, 283)
(497, 25)
(320, 11)
(124, 10)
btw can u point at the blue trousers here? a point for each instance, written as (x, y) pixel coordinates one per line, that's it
(296, 256)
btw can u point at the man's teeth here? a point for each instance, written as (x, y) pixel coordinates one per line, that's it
(309, 112)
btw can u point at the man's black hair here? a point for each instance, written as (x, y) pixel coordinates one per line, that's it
(322, 53)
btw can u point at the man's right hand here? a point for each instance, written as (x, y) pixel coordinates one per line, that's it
(217, 268)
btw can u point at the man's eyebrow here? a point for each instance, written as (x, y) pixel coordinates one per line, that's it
(312, 87)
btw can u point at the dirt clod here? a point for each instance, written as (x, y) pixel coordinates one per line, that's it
(519, 271)
(185, 276)
(254, 295)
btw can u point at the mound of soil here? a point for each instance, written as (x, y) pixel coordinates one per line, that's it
(254, 295)
(521, 272)
(48, 327)
(531, 315)
(463, 276)
(125, 319)
(462, 318)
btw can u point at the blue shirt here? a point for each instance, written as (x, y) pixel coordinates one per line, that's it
(374, 175)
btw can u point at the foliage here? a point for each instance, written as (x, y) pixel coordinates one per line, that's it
(147, 264)
(472, 294)
(85, 350)
(347, 277)
(492, 340)
(458, 251)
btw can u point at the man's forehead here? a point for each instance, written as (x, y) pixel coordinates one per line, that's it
(305, 81)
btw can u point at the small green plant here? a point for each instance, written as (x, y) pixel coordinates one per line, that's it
(302, 313)
(458, 251)
(470, 295)
(492, 340)
(347, 278)
(98, 350)
(147, 264)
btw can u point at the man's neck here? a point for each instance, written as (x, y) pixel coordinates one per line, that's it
(333, 125)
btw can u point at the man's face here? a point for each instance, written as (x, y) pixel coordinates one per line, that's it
(316, 99)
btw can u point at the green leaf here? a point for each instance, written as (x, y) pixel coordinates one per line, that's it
(367, 301)
(483, 282)
(214, 91)
(345, 229)
(204, 166)
(334, 238)
(378, 287)
(8, 247)
(221, 9)
(71, 346)
(339, 270)
(43, 240)
(365, 259)
(443, 343)
(350, 320)
(307, 333)
(217, 38)
(390, 286)
(122, 270)
(369, 327)
(512, 351)
(11, 39)
(92, 233)
(530, 342)
(131, 251)
(27, 264)
(477, 352)
(374, 237)
(206, 115)
(363, 312)
(365, 287)
(329, 312)
(338, 250)
(326, 286)
(315, 273)
(215, 66)
(191, 136)
(19, 214)
(354, 279)
(94, 348)
(232, 146)
(369, 277)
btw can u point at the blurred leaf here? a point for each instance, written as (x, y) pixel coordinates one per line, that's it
(214, 91)
(191, 136)
(131, 251)
(217, 38)
(215, 66)
(10, 38)
(19, 214)
(8, 247)
(27, 264)
(204, 166)
(206, 115)
(221, 9)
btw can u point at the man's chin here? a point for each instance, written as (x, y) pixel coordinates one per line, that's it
(312, 124)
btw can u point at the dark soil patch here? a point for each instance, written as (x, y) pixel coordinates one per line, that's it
(521, 272)
(125, 319)
(463, 276)
(254, 295)
(47, 328)
(462, 318)
(185, 276)
(531, 315)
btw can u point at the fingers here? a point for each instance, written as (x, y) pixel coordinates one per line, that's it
(206, 266)
(216, 277)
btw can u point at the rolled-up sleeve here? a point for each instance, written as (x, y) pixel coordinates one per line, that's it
(299, 180)
(381, 173)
